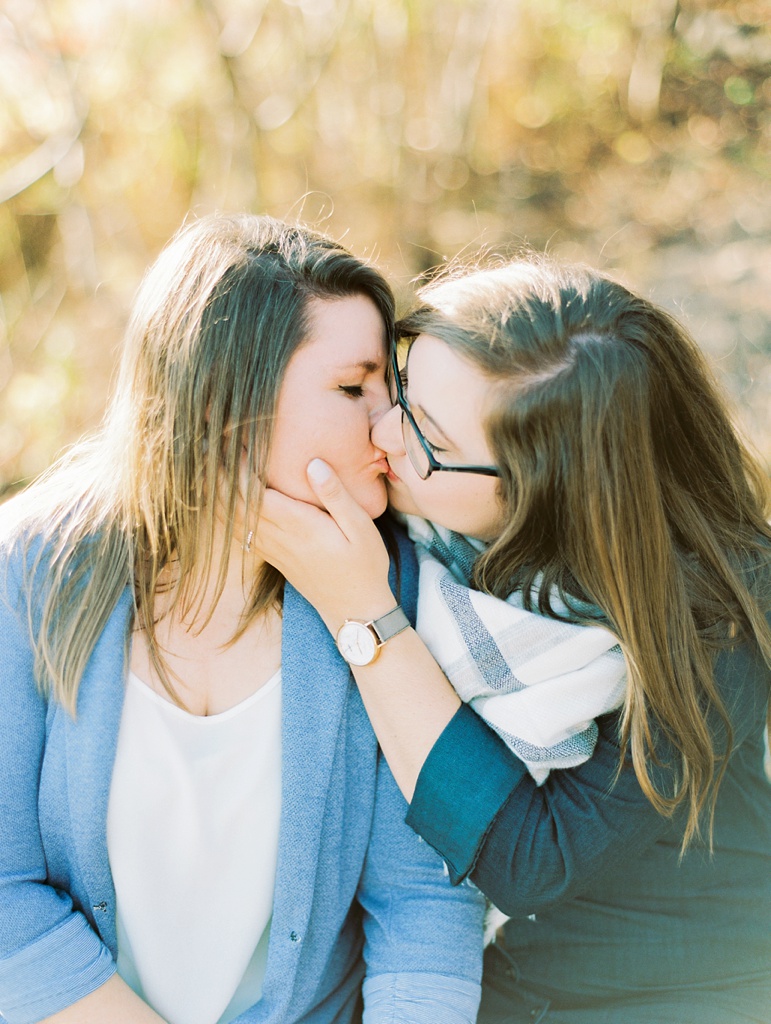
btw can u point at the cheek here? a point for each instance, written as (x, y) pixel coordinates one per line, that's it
(289, 455)
(309, 430)
(465, 505)
(417, 497)
(341, 437)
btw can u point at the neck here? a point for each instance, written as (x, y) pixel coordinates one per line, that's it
(218, 613)
(211, 663)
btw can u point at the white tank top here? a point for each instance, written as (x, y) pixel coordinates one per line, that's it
(192, 840)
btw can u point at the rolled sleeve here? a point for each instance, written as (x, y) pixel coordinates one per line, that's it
(468, 776)
(415, 922)
(419, 999)
(62, 966)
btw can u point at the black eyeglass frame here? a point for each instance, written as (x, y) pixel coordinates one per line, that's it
(434, 466)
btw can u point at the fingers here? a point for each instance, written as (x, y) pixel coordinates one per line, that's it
(282, 520)
(278, 508)
(287, 526)
(327, 487)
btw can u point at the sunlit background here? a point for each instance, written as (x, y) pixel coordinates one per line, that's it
(633, 135)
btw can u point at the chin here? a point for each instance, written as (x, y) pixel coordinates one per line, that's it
(374, 500)
(399, 501)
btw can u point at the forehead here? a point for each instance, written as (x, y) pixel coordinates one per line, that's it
(453, 393)
(437, 372)
(344, 332)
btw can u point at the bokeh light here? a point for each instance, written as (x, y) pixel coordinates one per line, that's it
(636, 137)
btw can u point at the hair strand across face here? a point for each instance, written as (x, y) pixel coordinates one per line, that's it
(187, 435)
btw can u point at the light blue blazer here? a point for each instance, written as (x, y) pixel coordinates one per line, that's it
(356, 890)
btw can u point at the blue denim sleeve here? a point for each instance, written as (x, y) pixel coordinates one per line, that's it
(63, 966)
(419, 930)
(419, 999)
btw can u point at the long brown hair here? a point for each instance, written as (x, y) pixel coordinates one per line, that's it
(215, 323)
(627, 488)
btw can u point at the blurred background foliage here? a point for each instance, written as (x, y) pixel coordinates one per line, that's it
(633, 135)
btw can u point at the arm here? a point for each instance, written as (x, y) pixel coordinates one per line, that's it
(114, 1002)
(423, 937)
(340, 565)
(493, 652)
(525, 846)
(52, 964)
(529, 847)
(408, 699)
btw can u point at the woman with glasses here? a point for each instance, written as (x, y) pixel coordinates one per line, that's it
(571, 433)
(195, 823)
(538, 681)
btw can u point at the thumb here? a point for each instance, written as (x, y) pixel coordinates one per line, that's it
(328, 488)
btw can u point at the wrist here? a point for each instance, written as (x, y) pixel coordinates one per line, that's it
(364, 608)
(360, 642)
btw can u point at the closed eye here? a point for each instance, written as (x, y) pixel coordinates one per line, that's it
(433, 448)
(353, 390)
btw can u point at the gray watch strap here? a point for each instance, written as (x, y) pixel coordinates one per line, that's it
(390, 624)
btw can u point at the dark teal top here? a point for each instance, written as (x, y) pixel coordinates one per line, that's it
(608, 924)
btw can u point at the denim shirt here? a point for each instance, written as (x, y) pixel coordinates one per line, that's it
(604, 912)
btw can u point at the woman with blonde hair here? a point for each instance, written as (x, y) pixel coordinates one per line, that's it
(570, 432)
(196, 824)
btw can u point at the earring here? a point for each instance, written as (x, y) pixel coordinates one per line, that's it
(248, 545)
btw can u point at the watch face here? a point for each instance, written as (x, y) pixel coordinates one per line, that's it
(356, 643)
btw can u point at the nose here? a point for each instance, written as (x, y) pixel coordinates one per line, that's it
(380, 409)
(387, 432)
(380, 404)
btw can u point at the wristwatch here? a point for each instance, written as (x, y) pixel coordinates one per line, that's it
(360, 642)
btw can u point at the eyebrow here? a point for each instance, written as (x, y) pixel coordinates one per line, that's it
(368, 365)
(436, 426)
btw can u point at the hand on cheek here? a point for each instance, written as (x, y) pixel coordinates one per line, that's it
(336, 558)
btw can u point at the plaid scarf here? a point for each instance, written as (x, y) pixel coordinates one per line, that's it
(537, 681)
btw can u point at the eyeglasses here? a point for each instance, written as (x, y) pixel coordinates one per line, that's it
(423, 460)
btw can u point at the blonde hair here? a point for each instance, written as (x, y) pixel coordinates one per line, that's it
(215, 323)
(627, 488)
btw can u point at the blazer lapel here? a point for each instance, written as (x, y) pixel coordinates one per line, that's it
(315, 684)
(91, 742)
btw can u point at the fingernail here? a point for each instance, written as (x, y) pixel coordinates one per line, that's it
(318, 471)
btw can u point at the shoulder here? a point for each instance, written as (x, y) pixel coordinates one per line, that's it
(22, 551)
(758, 575)
(40, 551)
